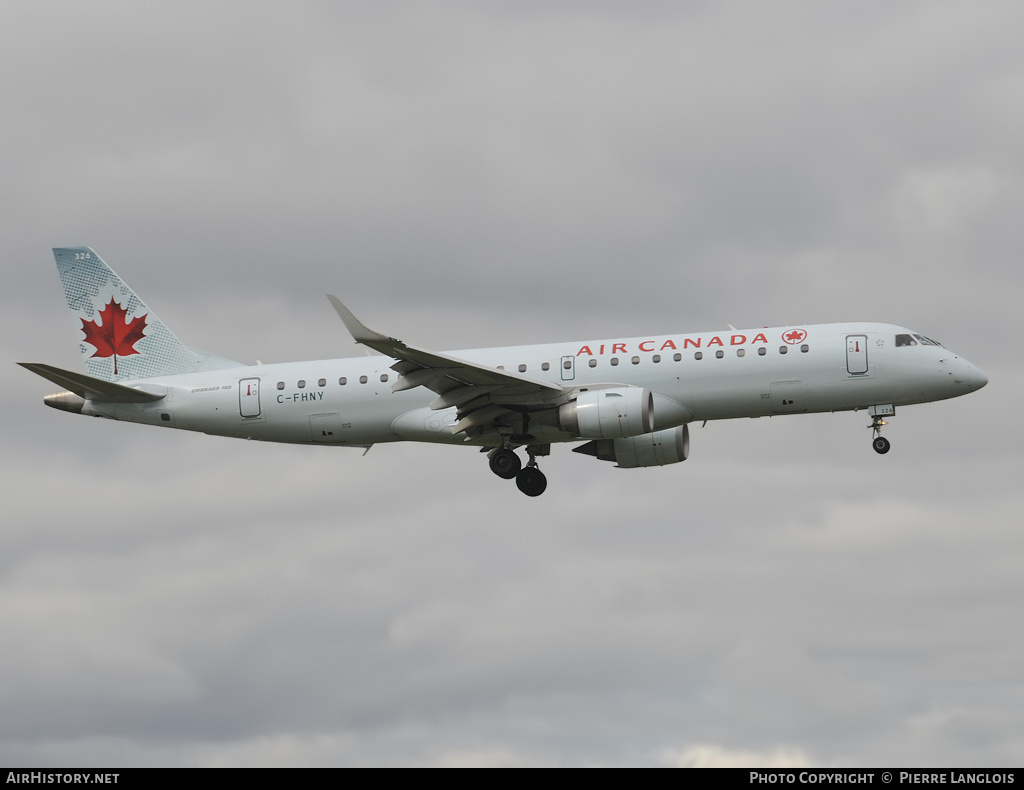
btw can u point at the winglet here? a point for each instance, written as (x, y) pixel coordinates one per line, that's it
(360, 332)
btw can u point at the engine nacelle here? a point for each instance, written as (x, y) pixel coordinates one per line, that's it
(608, 413)
(669, 446)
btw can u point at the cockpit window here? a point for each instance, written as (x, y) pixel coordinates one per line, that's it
(916, 339)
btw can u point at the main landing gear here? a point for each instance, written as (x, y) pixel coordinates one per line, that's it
(506, 465)
(879, 442)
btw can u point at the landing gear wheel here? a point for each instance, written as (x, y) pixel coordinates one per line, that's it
(531, 481)
(880, 443)
(505, 463)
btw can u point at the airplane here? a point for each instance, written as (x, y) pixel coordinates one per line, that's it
(629, 400)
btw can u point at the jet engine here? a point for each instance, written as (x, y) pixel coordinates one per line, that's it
(669, 446)
(608, 413)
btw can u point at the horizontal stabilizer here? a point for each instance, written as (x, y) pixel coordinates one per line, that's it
(91, 388)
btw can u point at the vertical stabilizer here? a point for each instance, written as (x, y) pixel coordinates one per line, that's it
(120, 337)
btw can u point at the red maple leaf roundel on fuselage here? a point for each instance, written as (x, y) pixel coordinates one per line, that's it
(115, 336)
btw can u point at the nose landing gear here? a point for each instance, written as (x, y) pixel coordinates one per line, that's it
(879, 442)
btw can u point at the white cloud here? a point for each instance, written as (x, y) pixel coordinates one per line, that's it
(711, 756)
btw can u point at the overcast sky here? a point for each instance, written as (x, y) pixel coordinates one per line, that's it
(467, 174)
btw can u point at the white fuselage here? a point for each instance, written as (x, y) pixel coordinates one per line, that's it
(693, 377)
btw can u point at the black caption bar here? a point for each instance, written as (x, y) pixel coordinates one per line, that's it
(880, 777)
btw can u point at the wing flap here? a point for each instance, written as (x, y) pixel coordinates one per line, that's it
(420, 377)
(479, 418)
(459, 397)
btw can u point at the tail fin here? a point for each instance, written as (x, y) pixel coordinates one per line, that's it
(123, 339)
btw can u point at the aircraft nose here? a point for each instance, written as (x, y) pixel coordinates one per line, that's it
(961, 375)
(970, 376)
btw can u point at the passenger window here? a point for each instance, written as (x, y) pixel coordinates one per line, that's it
(280, 385)
(656, 358)
(719, 354)
(677, 357)
(593, 363)
(343, 381)
(635, 360)
(614, 361)
(522, 368)
(698, 355)
(322, 383)
(762, 351)
(546, 366)
(384, 377)
(783, 349)
(302, 384)
(741, 352)
(805, 348)
(362, 379)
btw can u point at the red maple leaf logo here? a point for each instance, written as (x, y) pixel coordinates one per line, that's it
(115, 335)
(794, 337)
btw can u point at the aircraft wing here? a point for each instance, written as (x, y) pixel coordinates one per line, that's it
(482, 394)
